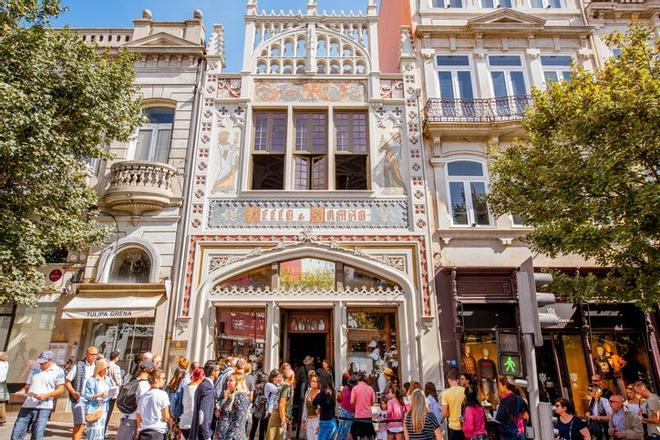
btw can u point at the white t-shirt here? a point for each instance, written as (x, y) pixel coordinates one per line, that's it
(188, 406)
(150, 409)
(143, 387)
(89, 372)
(4, 368)
(42, 382)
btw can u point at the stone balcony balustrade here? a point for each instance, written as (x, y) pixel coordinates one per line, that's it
(140, 186)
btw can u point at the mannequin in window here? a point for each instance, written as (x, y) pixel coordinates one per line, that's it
(602, 366)
(469, 362)
(487, 375)
(616, 363)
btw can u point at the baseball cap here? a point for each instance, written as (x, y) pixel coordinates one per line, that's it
(45, 356)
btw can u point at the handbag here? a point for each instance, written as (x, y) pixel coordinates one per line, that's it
(94, 416)
(479, 437)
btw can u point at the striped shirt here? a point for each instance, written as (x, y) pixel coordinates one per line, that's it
(427, 433)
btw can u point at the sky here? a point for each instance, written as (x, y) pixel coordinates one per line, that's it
(121, 13)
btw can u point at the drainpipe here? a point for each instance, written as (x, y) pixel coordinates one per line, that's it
(181, 243)
(592, 40)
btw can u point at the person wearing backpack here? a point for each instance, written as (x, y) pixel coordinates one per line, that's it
(128, 398)
(511, 412)
(259, 407)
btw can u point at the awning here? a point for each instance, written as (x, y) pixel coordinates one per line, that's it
(111, 302)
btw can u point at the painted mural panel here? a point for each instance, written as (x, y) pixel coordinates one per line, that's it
(310, 91)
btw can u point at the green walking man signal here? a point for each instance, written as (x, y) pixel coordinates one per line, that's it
(510, 364)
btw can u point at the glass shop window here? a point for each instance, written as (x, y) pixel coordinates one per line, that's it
(307, 273)
(241, 332)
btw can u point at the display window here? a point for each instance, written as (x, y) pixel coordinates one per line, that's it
(578, 376)
(129, 338)
(241, 332)
(479, 362)
(372, 344)
(620, 359)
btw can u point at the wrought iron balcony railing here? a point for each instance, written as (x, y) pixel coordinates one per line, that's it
(508, 108)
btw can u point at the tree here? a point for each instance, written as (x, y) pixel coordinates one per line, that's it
(586, 179)
(61, 100)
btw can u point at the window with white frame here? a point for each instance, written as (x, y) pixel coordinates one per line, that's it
(495, 3)
(508, 83)
(155, 137)
(467, 182)
(455, 84)
(447, 3)
(556, 68)
(546, 4)
(517, 220)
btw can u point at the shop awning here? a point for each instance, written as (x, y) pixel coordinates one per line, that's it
(112, 302)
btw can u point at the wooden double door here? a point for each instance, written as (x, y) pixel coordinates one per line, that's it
(306, 332)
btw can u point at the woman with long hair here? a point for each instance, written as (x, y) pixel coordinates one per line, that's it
(283, 407)
(396, 409)
(234, 410)
(568, 426)
(325, 401)
(153, 413)
(259, 406)
(420, 423)
(96, 392)
(310, 420)
(474, 416)
(432, 399)
(412, 386)
(188, 400)
(346, 410)
(511, 412)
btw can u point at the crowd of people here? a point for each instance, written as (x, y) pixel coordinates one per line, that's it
(226, 400)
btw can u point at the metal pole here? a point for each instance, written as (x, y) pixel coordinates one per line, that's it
(533, 388)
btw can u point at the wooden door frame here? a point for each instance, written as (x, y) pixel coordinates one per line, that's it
(329, 333)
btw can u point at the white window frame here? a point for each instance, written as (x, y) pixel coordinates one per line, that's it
(446, 4)
(507, 73)
(558, 70)
(547, 4)
(454, 74)
(154, 128)
(497, 4)
(466, 180)
(514, 224)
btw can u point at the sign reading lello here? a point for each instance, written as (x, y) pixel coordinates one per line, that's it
(315, 213)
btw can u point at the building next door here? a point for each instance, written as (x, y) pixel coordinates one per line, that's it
(306, 333)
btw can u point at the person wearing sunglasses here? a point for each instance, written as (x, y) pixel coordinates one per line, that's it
(623, 423)
(75, 385)
(569, 427)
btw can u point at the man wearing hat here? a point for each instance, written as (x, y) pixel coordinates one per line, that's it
(44, 384)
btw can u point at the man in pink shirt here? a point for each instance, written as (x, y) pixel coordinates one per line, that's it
(363, 398)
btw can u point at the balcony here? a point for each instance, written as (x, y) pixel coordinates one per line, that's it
(490, 110)
(140, 186)
(614, 8)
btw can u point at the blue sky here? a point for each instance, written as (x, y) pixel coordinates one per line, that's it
(120, 13)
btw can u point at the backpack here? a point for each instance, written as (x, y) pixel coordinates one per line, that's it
(260, 404)
(127, 397)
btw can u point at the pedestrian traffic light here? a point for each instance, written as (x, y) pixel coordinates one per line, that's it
(510, 364)
(532, 321)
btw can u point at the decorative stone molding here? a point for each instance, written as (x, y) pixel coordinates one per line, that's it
(223, 260)
(243, 292)
(139, 186)
(396, 261)
(391, 89)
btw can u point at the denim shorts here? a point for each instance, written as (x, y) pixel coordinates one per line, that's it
(78, 411)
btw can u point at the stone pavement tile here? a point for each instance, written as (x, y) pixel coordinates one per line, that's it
(54, 430)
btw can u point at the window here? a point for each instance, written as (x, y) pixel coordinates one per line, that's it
(154, 138)
(455, 83)
(447, 3)
(517, 220)
(241, 332)
(372, 340)
(269, 149)
(556, 67)
(352, 150)
(495, 3)
(546, 4)
(467, 193)
(311, 149)
(508, 81)
(132, 265)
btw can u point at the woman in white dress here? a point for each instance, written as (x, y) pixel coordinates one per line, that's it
(4, 393)
(189, 400)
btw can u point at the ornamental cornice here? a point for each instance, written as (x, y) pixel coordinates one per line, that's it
(243, 292)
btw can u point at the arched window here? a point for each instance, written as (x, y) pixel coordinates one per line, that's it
(467, 182)
(154, 138)
(131, 265)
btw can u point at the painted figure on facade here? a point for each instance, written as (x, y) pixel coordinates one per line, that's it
(392, 149)
(228, 162)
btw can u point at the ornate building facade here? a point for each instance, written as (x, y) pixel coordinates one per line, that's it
(307, 223)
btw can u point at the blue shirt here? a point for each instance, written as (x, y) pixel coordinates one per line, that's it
(617, 420)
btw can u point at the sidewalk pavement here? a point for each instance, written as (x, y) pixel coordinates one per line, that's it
(56, 430)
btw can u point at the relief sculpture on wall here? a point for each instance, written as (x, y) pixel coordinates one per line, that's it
(310, 91)
(391, 151)
(227, 161)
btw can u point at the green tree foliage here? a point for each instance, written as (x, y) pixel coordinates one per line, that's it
(586, 180)
(60, 101)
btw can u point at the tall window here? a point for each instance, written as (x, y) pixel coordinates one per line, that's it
(311, 150)
(546, 4)
(556, 67)
(352, 150)
(455, 82)
(508, 81)
(467, 193)
(269, 149)
(447, 3)
(495, 3)
(155, 137)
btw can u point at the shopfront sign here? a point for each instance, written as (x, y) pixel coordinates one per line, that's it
(308, 213)
(108, 314)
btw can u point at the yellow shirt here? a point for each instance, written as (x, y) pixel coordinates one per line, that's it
(453, 399)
